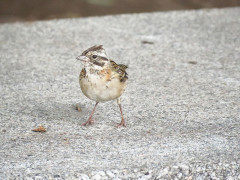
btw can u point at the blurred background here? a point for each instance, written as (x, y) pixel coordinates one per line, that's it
(31, 10)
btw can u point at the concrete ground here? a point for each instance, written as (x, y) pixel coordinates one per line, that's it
(181, 105)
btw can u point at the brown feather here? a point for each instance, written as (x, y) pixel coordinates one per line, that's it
(83, 73)
(93, 48)
(120, 69)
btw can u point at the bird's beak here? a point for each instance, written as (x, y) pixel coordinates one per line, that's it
(82, 58)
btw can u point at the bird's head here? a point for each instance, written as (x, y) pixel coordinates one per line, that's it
(94, 56)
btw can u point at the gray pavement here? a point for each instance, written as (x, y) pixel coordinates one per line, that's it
(182, 102)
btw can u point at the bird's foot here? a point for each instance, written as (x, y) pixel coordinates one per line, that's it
(88, 122)
(121, 124)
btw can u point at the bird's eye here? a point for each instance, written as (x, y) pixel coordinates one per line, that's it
(94, 56)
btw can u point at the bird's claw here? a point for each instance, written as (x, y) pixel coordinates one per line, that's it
(89, 122)
(122, 124)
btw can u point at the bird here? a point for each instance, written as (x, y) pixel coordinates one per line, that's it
(101, 79)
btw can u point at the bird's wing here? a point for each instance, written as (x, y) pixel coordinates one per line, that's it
(119, 69)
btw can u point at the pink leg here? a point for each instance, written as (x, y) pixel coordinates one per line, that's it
(122, 123)
(90, 120)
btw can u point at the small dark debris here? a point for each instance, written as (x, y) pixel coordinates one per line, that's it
(78, 108)
(39, 129)
(192, 62)
(147, 42)
(66, 140)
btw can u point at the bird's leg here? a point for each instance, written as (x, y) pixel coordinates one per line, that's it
(90, 120)
(122, 123)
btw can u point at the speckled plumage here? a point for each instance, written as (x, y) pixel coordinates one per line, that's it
(101, 79)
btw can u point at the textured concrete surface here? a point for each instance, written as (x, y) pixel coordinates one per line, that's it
(182, 103)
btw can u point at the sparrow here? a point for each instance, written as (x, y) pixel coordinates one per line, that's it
(101, 79)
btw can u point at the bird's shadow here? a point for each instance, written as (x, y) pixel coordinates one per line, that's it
(55, 111)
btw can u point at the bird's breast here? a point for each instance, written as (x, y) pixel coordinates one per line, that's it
(101, 85)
